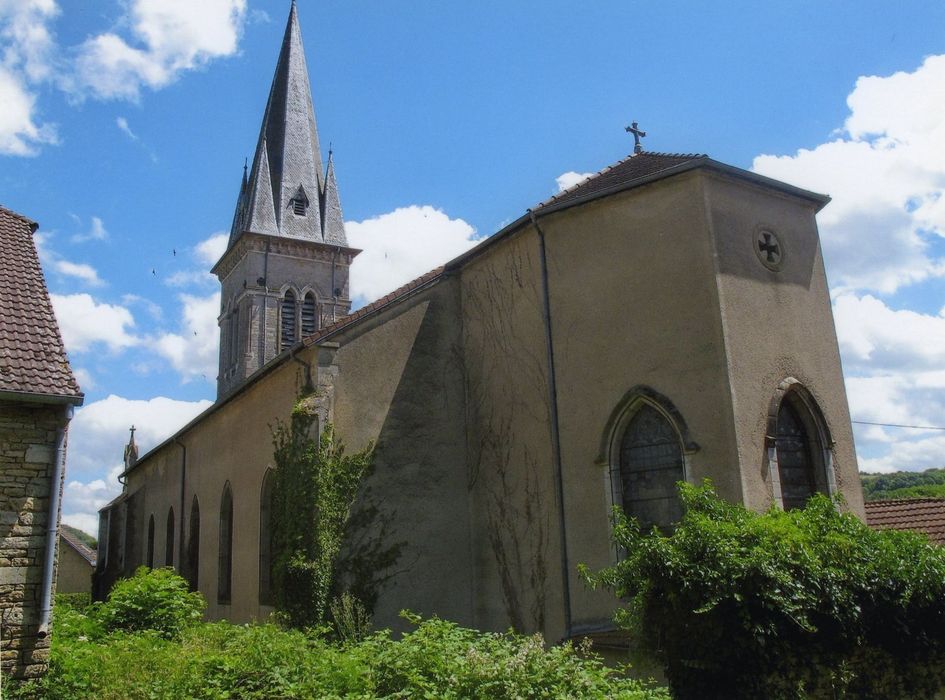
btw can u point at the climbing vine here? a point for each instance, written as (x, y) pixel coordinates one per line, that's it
(314, 488)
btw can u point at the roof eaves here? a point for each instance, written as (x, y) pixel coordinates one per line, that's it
(821, 200)
(39, 397)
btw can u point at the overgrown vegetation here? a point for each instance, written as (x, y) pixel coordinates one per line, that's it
(213, 661)
(881, 487)
(314, 487)
(808, 603)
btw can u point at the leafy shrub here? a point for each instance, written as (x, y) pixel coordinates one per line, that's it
(213, 661)
(157, 600)
(314, 487)
(75, 601)
(806, 603)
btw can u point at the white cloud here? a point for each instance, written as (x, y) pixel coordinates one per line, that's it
(19, 132)
(402, 245)
(168, 37)
(85, 322)
(99, 432)
(81, 271)
(194, 350)
(189, 278)
(27, 47)
(873, 336)
(84, 377)
(122, 124)
(886, 173)
(210, 250)
(96, 231)
(570, 179)
(154, 310)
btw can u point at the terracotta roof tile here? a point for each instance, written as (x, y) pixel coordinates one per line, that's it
(32, 357)
(373, 306)
(920, 514)
(622, 173)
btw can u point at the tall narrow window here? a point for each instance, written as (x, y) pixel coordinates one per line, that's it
(225, 562)
(651, 462)
(265, 541)
(150, 558)
(169, 539)
(288, 320)
(235, 336)
(796, 464)
(308, 314)
(193, 546)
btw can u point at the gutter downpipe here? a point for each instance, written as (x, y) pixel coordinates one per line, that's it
(555, 432)
(183, 478)
(52, 524)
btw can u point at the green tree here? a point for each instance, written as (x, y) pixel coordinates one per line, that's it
(157, 600)
(806, 603)
(314, 487)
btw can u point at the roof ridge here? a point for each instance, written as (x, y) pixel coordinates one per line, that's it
(603, 171)
(888, 501)
(19, 216)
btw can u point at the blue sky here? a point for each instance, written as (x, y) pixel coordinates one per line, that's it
(125, 125)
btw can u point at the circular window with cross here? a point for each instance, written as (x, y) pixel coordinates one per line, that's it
(769, 248)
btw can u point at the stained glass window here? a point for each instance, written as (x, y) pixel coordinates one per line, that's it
(651, 462)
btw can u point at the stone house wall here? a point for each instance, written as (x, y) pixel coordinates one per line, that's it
(27, 457)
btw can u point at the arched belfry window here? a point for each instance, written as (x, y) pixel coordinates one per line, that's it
(225, 561)
(265, 540)
(651, 462)
(169, 539)
(150, 559)
(193, 546)
(308, 315)
(288, 325)
(801, 447)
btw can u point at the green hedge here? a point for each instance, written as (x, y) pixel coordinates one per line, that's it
(806, 603)
(213, 661)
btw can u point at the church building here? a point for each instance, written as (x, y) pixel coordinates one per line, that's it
(667, 319)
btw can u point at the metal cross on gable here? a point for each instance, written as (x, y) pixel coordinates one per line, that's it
(768, 246)
(637, 134)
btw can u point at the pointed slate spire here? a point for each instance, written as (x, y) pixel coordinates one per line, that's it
(333, 224)
(287, 158)
(261, 214)
(239, 216)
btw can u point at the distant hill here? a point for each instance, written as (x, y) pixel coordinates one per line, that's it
(882, 487)
(82, 537)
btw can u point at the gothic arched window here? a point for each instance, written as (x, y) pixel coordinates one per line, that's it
(150, 559)
(799, 468)
(308, 315)
(169, 539)
(651, 462)
(265, 540)
(225, 561)
(193, 546)
(287, 316)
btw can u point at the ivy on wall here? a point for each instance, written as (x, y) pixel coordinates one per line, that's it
(314, 488)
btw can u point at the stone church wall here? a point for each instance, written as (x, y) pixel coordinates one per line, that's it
(777, 324)
(27, 456)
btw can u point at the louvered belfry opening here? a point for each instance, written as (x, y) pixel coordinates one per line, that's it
(308, 315)
(288, 335)
(651, 462)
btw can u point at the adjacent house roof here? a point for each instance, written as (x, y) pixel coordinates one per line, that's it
(33, 362)
(920, 514)
(83, 551)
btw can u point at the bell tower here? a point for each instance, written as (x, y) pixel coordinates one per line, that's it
(285, 271)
